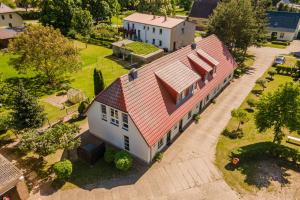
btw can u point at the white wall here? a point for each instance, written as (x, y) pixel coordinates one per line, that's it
(288, 36)
(148, 35)
(16, 20)
(115, 134)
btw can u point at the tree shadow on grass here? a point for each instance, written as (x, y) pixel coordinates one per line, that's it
(36, 85)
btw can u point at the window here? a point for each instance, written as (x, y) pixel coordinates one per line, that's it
(125, 121)
(182, 30)
(2, 16)
(114, 117)
(132, 26)
(160, 42)
(10, 16)
(281, 35)
(126, 143)
(103, 111)
(153, 30)
(148, 28)
(160, 143)
(190, 115)
(160, 31)
(144, 27)
(153, 41)
(10, 25)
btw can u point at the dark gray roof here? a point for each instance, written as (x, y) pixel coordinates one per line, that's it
(285, 20)
(203, 8)
(9, 175)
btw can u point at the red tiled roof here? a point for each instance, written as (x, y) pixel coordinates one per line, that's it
(201, 63)
(157, 21)
(179, 79)
(205, 55)
(7, 33)
(148, 102)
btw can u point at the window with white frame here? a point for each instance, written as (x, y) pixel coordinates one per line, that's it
(125, 121)
(114, 117)
(126, 143)
(160, 143)
(103, 112)
(281, 35)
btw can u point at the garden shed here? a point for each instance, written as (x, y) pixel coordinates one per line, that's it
(75, 95)
(11, 180)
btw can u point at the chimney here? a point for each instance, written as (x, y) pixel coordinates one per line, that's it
(193, 46)
(133, 74)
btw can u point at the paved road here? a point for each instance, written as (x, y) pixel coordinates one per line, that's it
(187, 170)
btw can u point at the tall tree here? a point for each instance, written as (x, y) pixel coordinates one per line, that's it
(98, 82)
(159, 7)
(58, 13)
(185, 4)
(100, 9)
(9, 3)
(82, 21)
(236, 23)
(279, 110)
(27, 113)
(46, 51)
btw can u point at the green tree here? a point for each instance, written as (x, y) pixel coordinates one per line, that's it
(262, 83)
(241, 116)
(279, 110)
(185, 4)
(82, 22)
(61, 136)
(98, 82)
(237, 24)
(159, 7)
(101, 10)
(27, 113)
(44, 50)
(9, 3)
(58, 13)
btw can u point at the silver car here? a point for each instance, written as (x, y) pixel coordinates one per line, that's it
(279, 60)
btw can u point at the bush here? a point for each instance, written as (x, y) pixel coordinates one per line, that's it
(196, 118)
(109, 155)
(6, 136)
(4, 123)
(284, 43)
(30, 15)
(63, 169)
(232, 134)
(82, 107)
(123, 160)
(251, 103)
(158, 157)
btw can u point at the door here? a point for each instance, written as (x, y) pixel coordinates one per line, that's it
(169, 138)
(180, 126)
(174, 46)
(139, 34)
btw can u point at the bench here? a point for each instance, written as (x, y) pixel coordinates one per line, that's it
(293, 140)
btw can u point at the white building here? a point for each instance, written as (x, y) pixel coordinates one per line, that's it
(9, 18)
(162, 31)
(143, 111)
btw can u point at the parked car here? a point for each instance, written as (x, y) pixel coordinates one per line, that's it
(279, 60)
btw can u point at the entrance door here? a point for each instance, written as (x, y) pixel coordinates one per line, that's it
(139, 34)
(169, 138)
(174, 46)
(180, 126)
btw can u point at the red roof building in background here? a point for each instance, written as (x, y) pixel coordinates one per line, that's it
(144, 110)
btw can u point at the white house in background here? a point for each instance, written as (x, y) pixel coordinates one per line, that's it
(164, 32)
(283, 25)
(9, 18)
(143, 111)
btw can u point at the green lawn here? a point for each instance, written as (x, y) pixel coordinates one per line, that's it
(92, 56)
(118, 20)
(225, 145)
(141, 48)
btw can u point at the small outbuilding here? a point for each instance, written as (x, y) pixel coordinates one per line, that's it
(11, 180)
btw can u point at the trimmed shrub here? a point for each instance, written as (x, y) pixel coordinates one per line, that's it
(196, 118)
(251, 103)
(158, 157)
(109, 155)
(281, 42)
(123, 160)
(63, 169)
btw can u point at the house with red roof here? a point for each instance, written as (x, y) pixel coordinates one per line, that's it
(162, 31)
(145, 110)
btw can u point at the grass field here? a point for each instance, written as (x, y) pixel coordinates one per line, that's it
(225, 145)
(92, 57)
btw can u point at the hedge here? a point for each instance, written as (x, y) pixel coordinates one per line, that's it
(265, 150)
(280, 42)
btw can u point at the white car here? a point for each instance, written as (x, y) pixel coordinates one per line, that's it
(279, 60)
